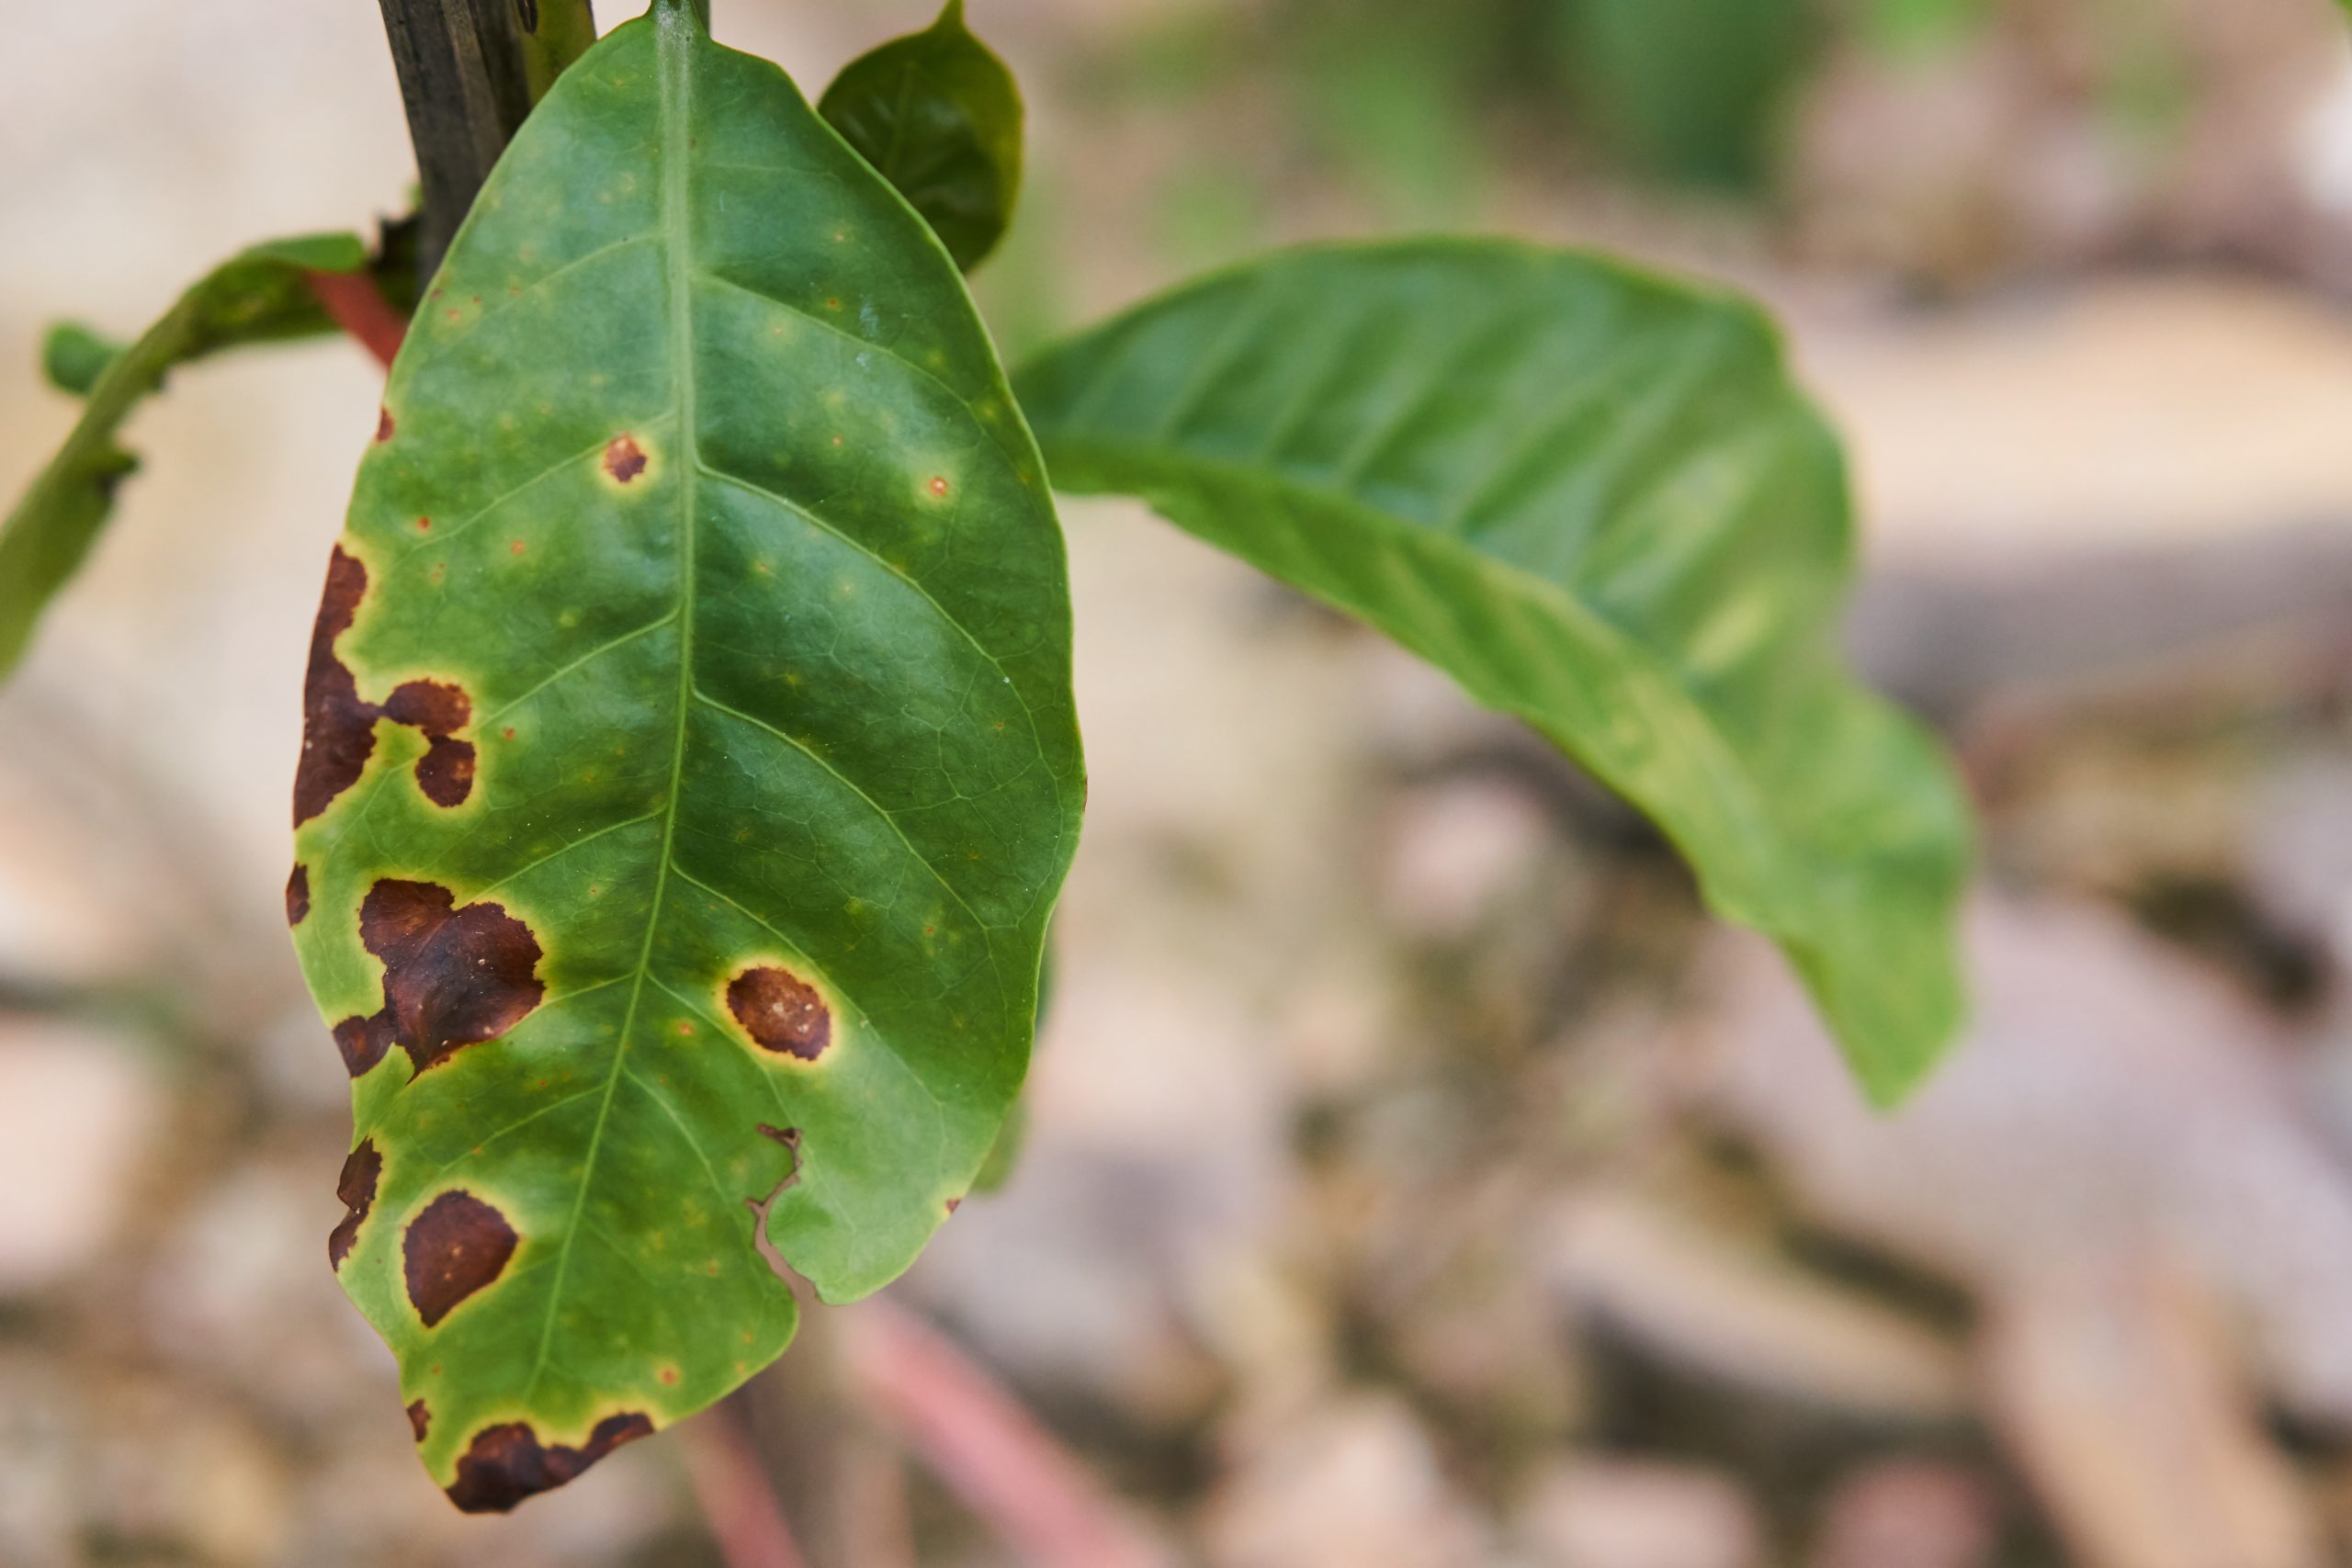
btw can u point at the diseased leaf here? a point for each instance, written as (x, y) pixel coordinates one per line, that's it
(259, 295)
(1596, 500)
(939, 116)
(690, 765)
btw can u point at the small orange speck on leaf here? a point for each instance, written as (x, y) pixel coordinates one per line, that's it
(507, 733)
(685, 1028)
(833, 304)
(516, 545)
(424, 524)
(939, 485)
(670, 1376)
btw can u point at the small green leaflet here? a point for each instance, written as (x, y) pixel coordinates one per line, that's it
(690, 766)
(74, 354)
(938, 117)
(1595, 499)
(258, 296)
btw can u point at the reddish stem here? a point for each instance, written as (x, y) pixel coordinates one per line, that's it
(357, 306)
(988, 1450)
(733, 1488)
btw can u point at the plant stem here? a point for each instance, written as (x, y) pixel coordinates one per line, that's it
(555, 33)
(463, 81)
(746, 1520)
(357, 306)
(976, 1437)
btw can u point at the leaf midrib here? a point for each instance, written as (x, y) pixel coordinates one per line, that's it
(674, 42)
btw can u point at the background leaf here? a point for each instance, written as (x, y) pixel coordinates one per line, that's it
(258, 296)
(690, 765)
(1595, 499)
(938, 117)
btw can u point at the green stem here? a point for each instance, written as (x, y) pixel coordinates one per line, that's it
(555, 33)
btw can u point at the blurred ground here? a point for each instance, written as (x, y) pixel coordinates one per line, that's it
(1417, 1179)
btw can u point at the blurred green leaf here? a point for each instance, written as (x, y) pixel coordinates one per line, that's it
(74, 354)
(1595, 499)
(1392, 99)
(258, 296)
(1690, 91)
(1917, 30)
(938, 117)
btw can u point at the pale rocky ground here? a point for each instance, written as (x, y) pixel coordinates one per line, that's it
(1401, 1191)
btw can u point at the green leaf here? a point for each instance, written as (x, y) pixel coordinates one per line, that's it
(1004, 1154)
(1596, 500)
(1690, 91)
(690, 765)
(938, 117)
(258, 296)
(74, 354)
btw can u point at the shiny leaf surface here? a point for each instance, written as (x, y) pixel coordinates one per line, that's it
(1595, 499)
(938, 117)
(689, 769)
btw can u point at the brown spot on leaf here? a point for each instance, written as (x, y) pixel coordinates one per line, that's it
(435, 707)
(446, 772)
(781, 1012)
(624, 458)
(383, 424)
(939, 487)
(457, 1245)
(452, 976)
(356, 1188)
(298, 895)
(339, 727)
(506, 1464)
(419, 1419)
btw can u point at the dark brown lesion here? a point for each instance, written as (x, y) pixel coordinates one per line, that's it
(457, 1245)
(338, 729)
(624, 458)
(507, 1463)
(356, 1188)
(419, 1419)
(781, 1011)
(339, 726)
(453, 977)
(438, 710)
(298, 895)
(383, 424)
